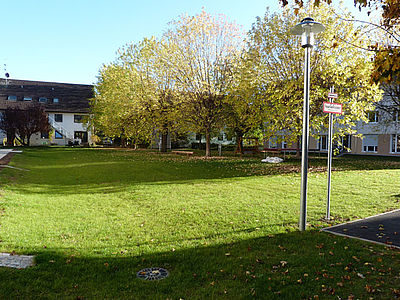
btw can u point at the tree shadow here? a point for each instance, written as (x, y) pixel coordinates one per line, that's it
(103, 171)
(291, 265)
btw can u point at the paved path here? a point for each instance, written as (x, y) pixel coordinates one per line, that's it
(4, 152)
(382, 229)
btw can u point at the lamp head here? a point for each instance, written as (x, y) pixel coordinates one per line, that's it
(307, 28)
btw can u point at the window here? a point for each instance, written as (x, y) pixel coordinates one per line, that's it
(27, 98)
(44, 135)
(395, 143)
(373, 117)
(78, 118)
(323, 142)
(370, 143)
(346, 142)
(12, 98)
(274, 144)
(81, 135)
(43, 99)
(55, 100)
(58, 135)
(58, 118)
(396, 116)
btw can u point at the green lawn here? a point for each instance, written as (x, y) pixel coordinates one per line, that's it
(224, 228)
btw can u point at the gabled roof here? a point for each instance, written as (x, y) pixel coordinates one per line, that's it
(73, 98)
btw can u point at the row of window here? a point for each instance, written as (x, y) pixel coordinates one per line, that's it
(82, 135)
(59, 118)
(373, 116)
(345, 142)
(370, 143)
(40, 99)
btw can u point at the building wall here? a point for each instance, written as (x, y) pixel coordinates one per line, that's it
(68, 126)
(384, 144)
(313, 143)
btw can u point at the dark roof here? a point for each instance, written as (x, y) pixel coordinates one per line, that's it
(72, 98)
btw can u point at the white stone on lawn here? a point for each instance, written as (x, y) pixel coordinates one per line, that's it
(272, 160)
(16, 261)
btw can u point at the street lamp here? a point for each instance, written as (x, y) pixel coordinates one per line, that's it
(307, 28)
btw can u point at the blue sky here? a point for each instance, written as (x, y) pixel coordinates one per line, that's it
(69, 40)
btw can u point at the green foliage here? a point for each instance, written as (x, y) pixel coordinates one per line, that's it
(333, 63)
(385, 46)
(117, 109)
(202, 50)
(244, 102)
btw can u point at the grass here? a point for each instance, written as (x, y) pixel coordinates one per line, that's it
(224, 228)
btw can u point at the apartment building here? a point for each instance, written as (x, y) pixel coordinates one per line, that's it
(65, 104)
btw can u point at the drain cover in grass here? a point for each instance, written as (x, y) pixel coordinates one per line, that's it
(152, 274)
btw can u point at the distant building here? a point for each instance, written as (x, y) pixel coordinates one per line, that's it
(66, 105)
(380, 136)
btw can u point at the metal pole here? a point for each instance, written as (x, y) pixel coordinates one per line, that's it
(305, 140)
(330, 136)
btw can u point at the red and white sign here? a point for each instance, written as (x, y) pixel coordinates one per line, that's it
(333, 108)
(332, 95)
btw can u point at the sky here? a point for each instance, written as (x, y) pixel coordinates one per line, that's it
(69, 40)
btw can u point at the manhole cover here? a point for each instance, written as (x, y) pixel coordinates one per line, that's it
(152, 274)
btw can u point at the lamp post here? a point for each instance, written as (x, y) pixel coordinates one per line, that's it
(307, 28)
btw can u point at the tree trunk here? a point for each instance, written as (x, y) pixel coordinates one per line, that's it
(10, 139)
(239, 142)
(28, 139)
(298, 147)
(164, 140)
(208, 143)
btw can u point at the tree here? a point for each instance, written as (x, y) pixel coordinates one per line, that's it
(21, 124)
(244, 103)
(386, 47)
(334, 63)
(147, 60)
(116, 109)
(202, 49)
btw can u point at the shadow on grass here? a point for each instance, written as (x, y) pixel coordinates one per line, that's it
(83, 171)
(286, 266)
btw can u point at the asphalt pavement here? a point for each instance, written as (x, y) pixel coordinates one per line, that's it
(382, 229)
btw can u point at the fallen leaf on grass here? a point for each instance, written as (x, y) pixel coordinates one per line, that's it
(260, 261)
(360, 275)
(396, 292)
(369, 289)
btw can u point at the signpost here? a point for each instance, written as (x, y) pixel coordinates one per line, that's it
(330, 108)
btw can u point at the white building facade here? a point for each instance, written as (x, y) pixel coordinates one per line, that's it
(67, 107)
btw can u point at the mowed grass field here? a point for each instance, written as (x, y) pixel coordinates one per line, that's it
(225, 228)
